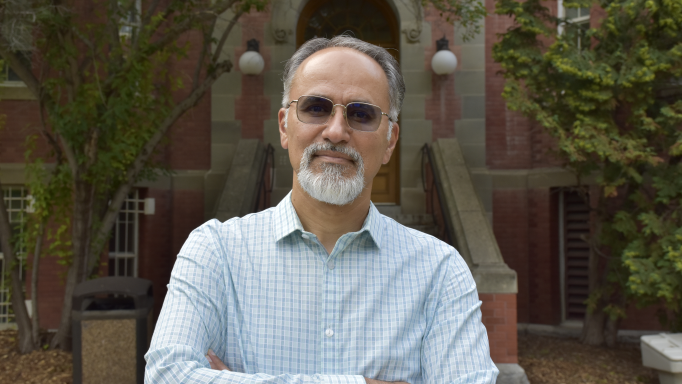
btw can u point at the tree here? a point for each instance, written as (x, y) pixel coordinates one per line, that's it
(107, 99)
(611, 97)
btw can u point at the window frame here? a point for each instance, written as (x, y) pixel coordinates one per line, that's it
(5, 306)
(127, 27)
(130, 206)
(580, 20)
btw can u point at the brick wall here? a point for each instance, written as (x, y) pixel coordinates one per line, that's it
(51, 282)
(544, 294)
(443, 106)
(162, 235)
(499, 318)
(189, 146)
(22, 120)
(252, 107)
(510, 226)
(526, 228)
(156, 257)
(507, 132)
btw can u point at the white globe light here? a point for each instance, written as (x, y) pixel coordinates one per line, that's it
(444, 62)
(251, 63)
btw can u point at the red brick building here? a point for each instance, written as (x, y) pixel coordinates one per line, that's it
(524, 193)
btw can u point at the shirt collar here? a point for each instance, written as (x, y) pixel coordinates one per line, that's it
(287, 222)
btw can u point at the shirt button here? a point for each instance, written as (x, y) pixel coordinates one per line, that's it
(330, 264)
(329, 332)
(305, 236)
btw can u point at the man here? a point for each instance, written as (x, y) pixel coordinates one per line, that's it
(323, 288)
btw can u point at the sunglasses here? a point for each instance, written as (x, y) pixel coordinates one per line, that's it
(317, 110)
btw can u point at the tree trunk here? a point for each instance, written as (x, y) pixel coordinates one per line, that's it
(593, 328)
(35, 320)
(611, 332)
(81, 232)
(18, 305)
(595, 318)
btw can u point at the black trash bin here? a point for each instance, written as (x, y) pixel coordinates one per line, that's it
(112, 328)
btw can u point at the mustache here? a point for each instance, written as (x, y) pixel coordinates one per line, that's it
(313, 148)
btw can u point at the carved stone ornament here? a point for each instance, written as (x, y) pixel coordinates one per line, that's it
(280, 35)
(413, 32)
(284, 15)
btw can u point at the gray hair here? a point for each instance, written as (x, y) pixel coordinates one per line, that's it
(396, 84)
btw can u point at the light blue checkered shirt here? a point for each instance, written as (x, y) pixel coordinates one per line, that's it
(389, 303)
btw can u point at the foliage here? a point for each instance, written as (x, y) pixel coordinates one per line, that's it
(50, 202)
(109, 84)
(468, 14)
(613, 104)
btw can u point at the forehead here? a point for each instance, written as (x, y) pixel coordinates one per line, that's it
(341, 72)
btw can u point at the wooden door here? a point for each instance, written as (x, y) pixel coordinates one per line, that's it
(372, 21)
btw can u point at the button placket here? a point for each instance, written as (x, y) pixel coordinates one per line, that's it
(330, 325)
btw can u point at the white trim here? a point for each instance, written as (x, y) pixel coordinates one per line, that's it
(125, 253)
(561, 13)
(562, 256)
(127, 26)
(5, 305)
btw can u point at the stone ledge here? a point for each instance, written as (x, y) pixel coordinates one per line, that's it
(511, 374)
(470, 229)
(15, 91)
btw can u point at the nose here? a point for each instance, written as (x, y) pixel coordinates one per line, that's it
(337, 129)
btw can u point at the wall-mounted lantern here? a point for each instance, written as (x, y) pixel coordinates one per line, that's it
(251, 62)
(444, 62)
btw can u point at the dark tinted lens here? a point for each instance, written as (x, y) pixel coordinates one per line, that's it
(313, 110)
(363, 117)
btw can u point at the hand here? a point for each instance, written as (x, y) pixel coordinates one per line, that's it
(215, 361)
(372, 381)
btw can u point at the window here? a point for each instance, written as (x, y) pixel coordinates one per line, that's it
(18, 30)
(577, 18)
(372, 21)
(15, 201)
(131, 21)
(123, 245)
(8, 74)
(574, 254)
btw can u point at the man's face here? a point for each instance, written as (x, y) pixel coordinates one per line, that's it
(342, 75)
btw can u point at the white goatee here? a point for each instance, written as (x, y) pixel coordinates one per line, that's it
(329, 184)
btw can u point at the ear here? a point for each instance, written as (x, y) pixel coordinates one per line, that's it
(392, 143)
(283, 135)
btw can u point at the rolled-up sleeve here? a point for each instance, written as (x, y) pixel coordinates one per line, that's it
(455, 347)
(194, 318)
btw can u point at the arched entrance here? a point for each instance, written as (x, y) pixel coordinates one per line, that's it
(372, 21)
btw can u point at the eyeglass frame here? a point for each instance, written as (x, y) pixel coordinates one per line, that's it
(345, 108)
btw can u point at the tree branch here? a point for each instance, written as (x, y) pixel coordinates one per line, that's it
(202, 56)
(223, 38)
(172, 34)
(25, 73)
(35, 322)
(119, 196)
(115, 38)
(144, 21)
(47, 135)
